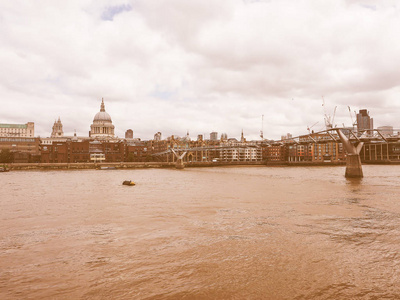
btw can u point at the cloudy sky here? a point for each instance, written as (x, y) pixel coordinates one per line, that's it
(199, 65)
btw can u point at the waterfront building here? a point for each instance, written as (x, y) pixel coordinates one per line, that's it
(83, 150)
(274, 153)
(102, 127)
(328, 151)
(382, 152)
(240, 154)
(23, 149)
(364, 121)
(17, 130)
(136, 151)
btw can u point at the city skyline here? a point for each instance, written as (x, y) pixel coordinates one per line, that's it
(173, 66)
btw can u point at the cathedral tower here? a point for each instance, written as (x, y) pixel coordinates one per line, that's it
(57, 129)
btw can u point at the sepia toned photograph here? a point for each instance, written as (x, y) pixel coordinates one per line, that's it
(187, 149)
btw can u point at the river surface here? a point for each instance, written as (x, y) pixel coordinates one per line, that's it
(200, 233)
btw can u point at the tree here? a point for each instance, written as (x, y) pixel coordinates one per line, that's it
(6, 156)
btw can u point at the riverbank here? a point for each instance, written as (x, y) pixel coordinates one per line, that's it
(144, 165)
(120, 165)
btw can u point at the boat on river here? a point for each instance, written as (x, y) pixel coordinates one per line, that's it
(128, 182)
(4, 169)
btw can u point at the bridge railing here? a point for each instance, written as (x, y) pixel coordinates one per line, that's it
(330, 135)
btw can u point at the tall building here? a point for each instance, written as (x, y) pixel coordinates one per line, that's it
(102, 126)
(129, 134)
(57, 129)
(214, 136)
(17, 130)
(364, 121)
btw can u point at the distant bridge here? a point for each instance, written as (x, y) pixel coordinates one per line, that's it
(328, 135)
(352, 141)
(208, 148)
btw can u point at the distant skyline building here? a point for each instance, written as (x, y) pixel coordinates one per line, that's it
(214, 136)
(17, 130)
(224, 137)
(187, 138)
(157, 136)
(102, 126)
(57, 129)
(386, 130)
(129, 134)
(364, 121)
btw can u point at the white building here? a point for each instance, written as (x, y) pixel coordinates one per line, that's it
(241, 154)
(17, 130)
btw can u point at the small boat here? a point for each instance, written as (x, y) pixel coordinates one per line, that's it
(128, 182)
(4, 169)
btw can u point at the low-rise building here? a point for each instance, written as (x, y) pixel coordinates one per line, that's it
(23, 149)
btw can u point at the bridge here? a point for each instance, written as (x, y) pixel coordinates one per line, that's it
(352, 141)
(368, 135)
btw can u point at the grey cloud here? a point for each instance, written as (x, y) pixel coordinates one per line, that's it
(110, 11)
(200, 65)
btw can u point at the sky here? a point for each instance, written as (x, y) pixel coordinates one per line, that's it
(200, 66)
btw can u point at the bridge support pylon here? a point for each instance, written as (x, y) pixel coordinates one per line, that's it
(353, 166)
(179, 160)
(353, 160)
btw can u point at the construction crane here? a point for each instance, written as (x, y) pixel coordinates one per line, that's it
(309, 127)
(328, 119)
(353, 123)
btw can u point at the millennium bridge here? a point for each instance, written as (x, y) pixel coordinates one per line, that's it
(351, 140)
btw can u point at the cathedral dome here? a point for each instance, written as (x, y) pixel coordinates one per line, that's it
(102, 126)
(102, 115)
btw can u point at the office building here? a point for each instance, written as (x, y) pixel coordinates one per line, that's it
(364, 121)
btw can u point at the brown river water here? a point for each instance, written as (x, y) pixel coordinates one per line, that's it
(200, 233)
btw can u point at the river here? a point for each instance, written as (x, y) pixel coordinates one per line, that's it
(200, 233)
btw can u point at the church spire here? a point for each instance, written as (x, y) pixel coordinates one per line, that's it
(102, 108)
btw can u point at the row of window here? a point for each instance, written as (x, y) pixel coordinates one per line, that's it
(4, 139)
